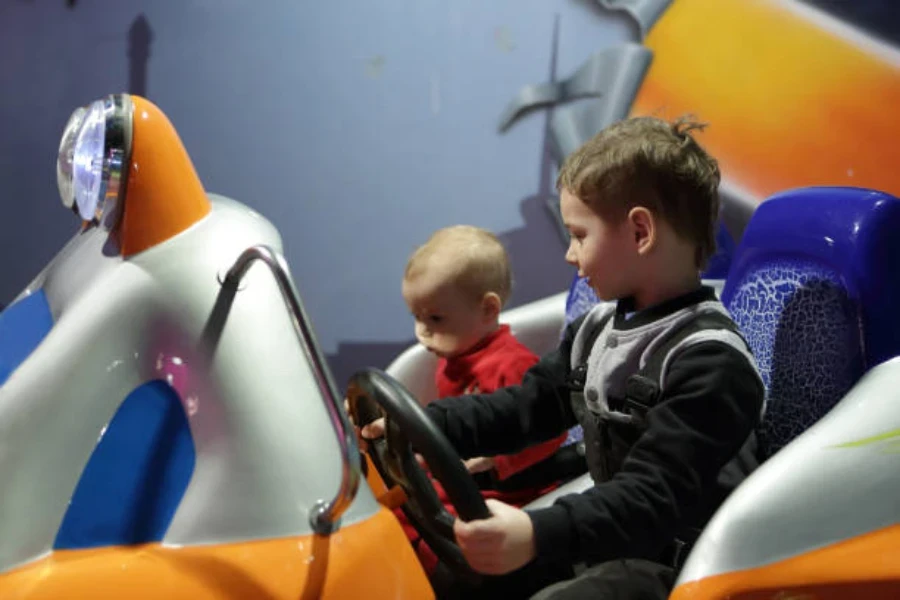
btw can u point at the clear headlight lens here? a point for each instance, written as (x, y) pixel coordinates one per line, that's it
(92, 155)
(88, 161)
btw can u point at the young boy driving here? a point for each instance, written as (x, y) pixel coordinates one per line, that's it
(663, 385)
(455, 286)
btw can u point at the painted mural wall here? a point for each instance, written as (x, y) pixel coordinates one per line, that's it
(796, 93)
(796, 96)
(359, 127)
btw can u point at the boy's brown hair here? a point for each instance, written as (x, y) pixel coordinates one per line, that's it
(645, 161)
(473, 258)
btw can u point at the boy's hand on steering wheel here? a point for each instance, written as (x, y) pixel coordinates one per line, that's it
(372, 431)
(500, 544)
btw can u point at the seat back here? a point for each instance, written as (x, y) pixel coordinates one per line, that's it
(813, 292)
(580, 300)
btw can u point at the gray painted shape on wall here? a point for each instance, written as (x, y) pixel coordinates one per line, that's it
(644, 12)
(613, 74)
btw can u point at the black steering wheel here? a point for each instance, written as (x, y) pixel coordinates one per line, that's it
(372, 394)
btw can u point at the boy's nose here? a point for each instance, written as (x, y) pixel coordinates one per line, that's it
(570, 257)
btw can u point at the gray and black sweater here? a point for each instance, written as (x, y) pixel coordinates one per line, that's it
(693, 445)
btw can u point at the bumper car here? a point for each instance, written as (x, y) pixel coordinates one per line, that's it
(168, 426)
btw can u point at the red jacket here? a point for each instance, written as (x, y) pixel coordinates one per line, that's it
(500, 360)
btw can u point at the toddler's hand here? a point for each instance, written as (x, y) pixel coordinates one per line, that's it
(479, 464)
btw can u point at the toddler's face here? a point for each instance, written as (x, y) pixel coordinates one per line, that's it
(448, 321)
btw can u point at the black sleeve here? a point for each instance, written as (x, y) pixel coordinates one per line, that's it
(711, 403)
(515, 417)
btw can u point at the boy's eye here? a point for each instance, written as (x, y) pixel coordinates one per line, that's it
(435, 318)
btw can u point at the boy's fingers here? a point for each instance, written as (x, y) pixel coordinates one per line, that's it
(480, 545)
(462, 531)
(373, 430)
(474, 532)
(488, 547)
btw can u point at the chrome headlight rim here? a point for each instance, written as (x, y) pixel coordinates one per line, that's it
(92, 181)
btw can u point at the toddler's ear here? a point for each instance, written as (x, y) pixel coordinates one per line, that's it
(490, 306)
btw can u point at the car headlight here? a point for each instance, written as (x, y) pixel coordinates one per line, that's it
(122, 166)
(93, 157)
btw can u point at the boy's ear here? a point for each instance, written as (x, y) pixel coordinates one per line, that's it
(643, 226)
(491, 305)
